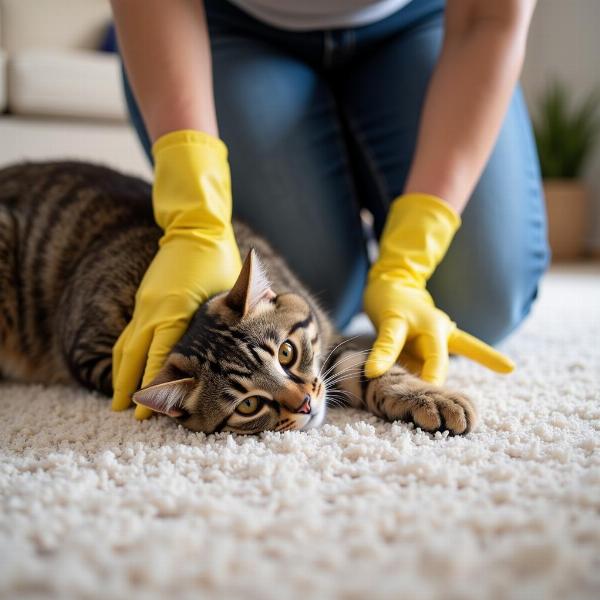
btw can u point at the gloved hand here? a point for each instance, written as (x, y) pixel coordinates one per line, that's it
(198, 257)
(417, 233)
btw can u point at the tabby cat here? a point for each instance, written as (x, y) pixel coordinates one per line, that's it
(75, 241)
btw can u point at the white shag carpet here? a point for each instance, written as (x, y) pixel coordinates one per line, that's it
(96, 505)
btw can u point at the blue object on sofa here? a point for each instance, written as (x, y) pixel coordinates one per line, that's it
(109, 42)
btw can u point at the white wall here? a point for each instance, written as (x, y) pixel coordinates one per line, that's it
(564, 42)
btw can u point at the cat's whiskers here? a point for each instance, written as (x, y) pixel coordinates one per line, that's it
(334, 401)
(339, 398)
(344, 359)
(338, 381)
(334, 349)
(341, 371)
(340, 402)
(336, 384)
(351, 371)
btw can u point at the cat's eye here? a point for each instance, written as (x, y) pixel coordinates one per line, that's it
(250, 406)
(287, 353)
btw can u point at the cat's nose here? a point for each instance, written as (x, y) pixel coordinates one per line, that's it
(305, 408)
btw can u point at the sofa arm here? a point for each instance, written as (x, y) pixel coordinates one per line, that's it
(68, 83)
(3, 77)
(55, 24)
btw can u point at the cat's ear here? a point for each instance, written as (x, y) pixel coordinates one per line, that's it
(251, 287)
(167, 397)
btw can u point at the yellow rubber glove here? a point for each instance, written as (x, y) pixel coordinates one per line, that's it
(198, 257)
(416, 236)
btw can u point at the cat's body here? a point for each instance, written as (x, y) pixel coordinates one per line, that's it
(75, 241)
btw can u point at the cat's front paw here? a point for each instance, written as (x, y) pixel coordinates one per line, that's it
(429, 407)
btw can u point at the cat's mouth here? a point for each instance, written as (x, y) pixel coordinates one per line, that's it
(315, 419)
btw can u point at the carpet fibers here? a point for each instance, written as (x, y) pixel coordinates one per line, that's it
(96, 505)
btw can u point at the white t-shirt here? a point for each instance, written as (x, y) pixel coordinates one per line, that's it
(319, 14)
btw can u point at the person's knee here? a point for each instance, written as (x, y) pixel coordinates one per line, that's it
(494, 310)
(501, 315)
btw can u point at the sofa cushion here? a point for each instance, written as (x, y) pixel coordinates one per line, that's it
(75, 83)
(2, 80)
(53, 23)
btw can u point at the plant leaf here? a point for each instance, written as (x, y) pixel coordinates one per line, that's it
(566, 136)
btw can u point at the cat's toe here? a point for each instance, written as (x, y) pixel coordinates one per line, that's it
(458, 413)
(427, 417)
(403, 397)
(440, 410)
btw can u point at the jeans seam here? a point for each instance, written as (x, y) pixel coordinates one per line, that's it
(533, 174)
(348, 178)
(351, 41)
(327, 48)
(380, 182)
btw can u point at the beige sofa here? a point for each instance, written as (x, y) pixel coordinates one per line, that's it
(59, 96)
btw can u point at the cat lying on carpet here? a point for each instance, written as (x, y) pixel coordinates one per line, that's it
(75, 241)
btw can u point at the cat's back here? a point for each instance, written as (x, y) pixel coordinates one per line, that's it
(55, 210)
(34, 189)
(60, 223)
(75, 241)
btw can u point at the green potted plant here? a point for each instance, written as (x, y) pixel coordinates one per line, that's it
(565, 137)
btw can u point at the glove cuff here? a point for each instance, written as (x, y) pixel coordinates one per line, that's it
(416, 236)
(189, 137)
(192, 182)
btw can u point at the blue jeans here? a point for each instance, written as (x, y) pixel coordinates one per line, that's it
(321, 123)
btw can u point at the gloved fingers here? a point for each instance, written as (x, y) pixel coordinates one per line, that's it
(131, 368)
(468, 345)
(434, 350)
(162, 343)
(142, 412)
(391, 338)
(117, 358)
(117, 351)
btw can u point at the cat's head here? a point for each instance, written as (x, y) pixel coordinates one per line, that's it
(249, 362)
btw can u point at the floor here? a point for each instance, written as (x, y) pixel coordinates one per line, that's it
(96, 505)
